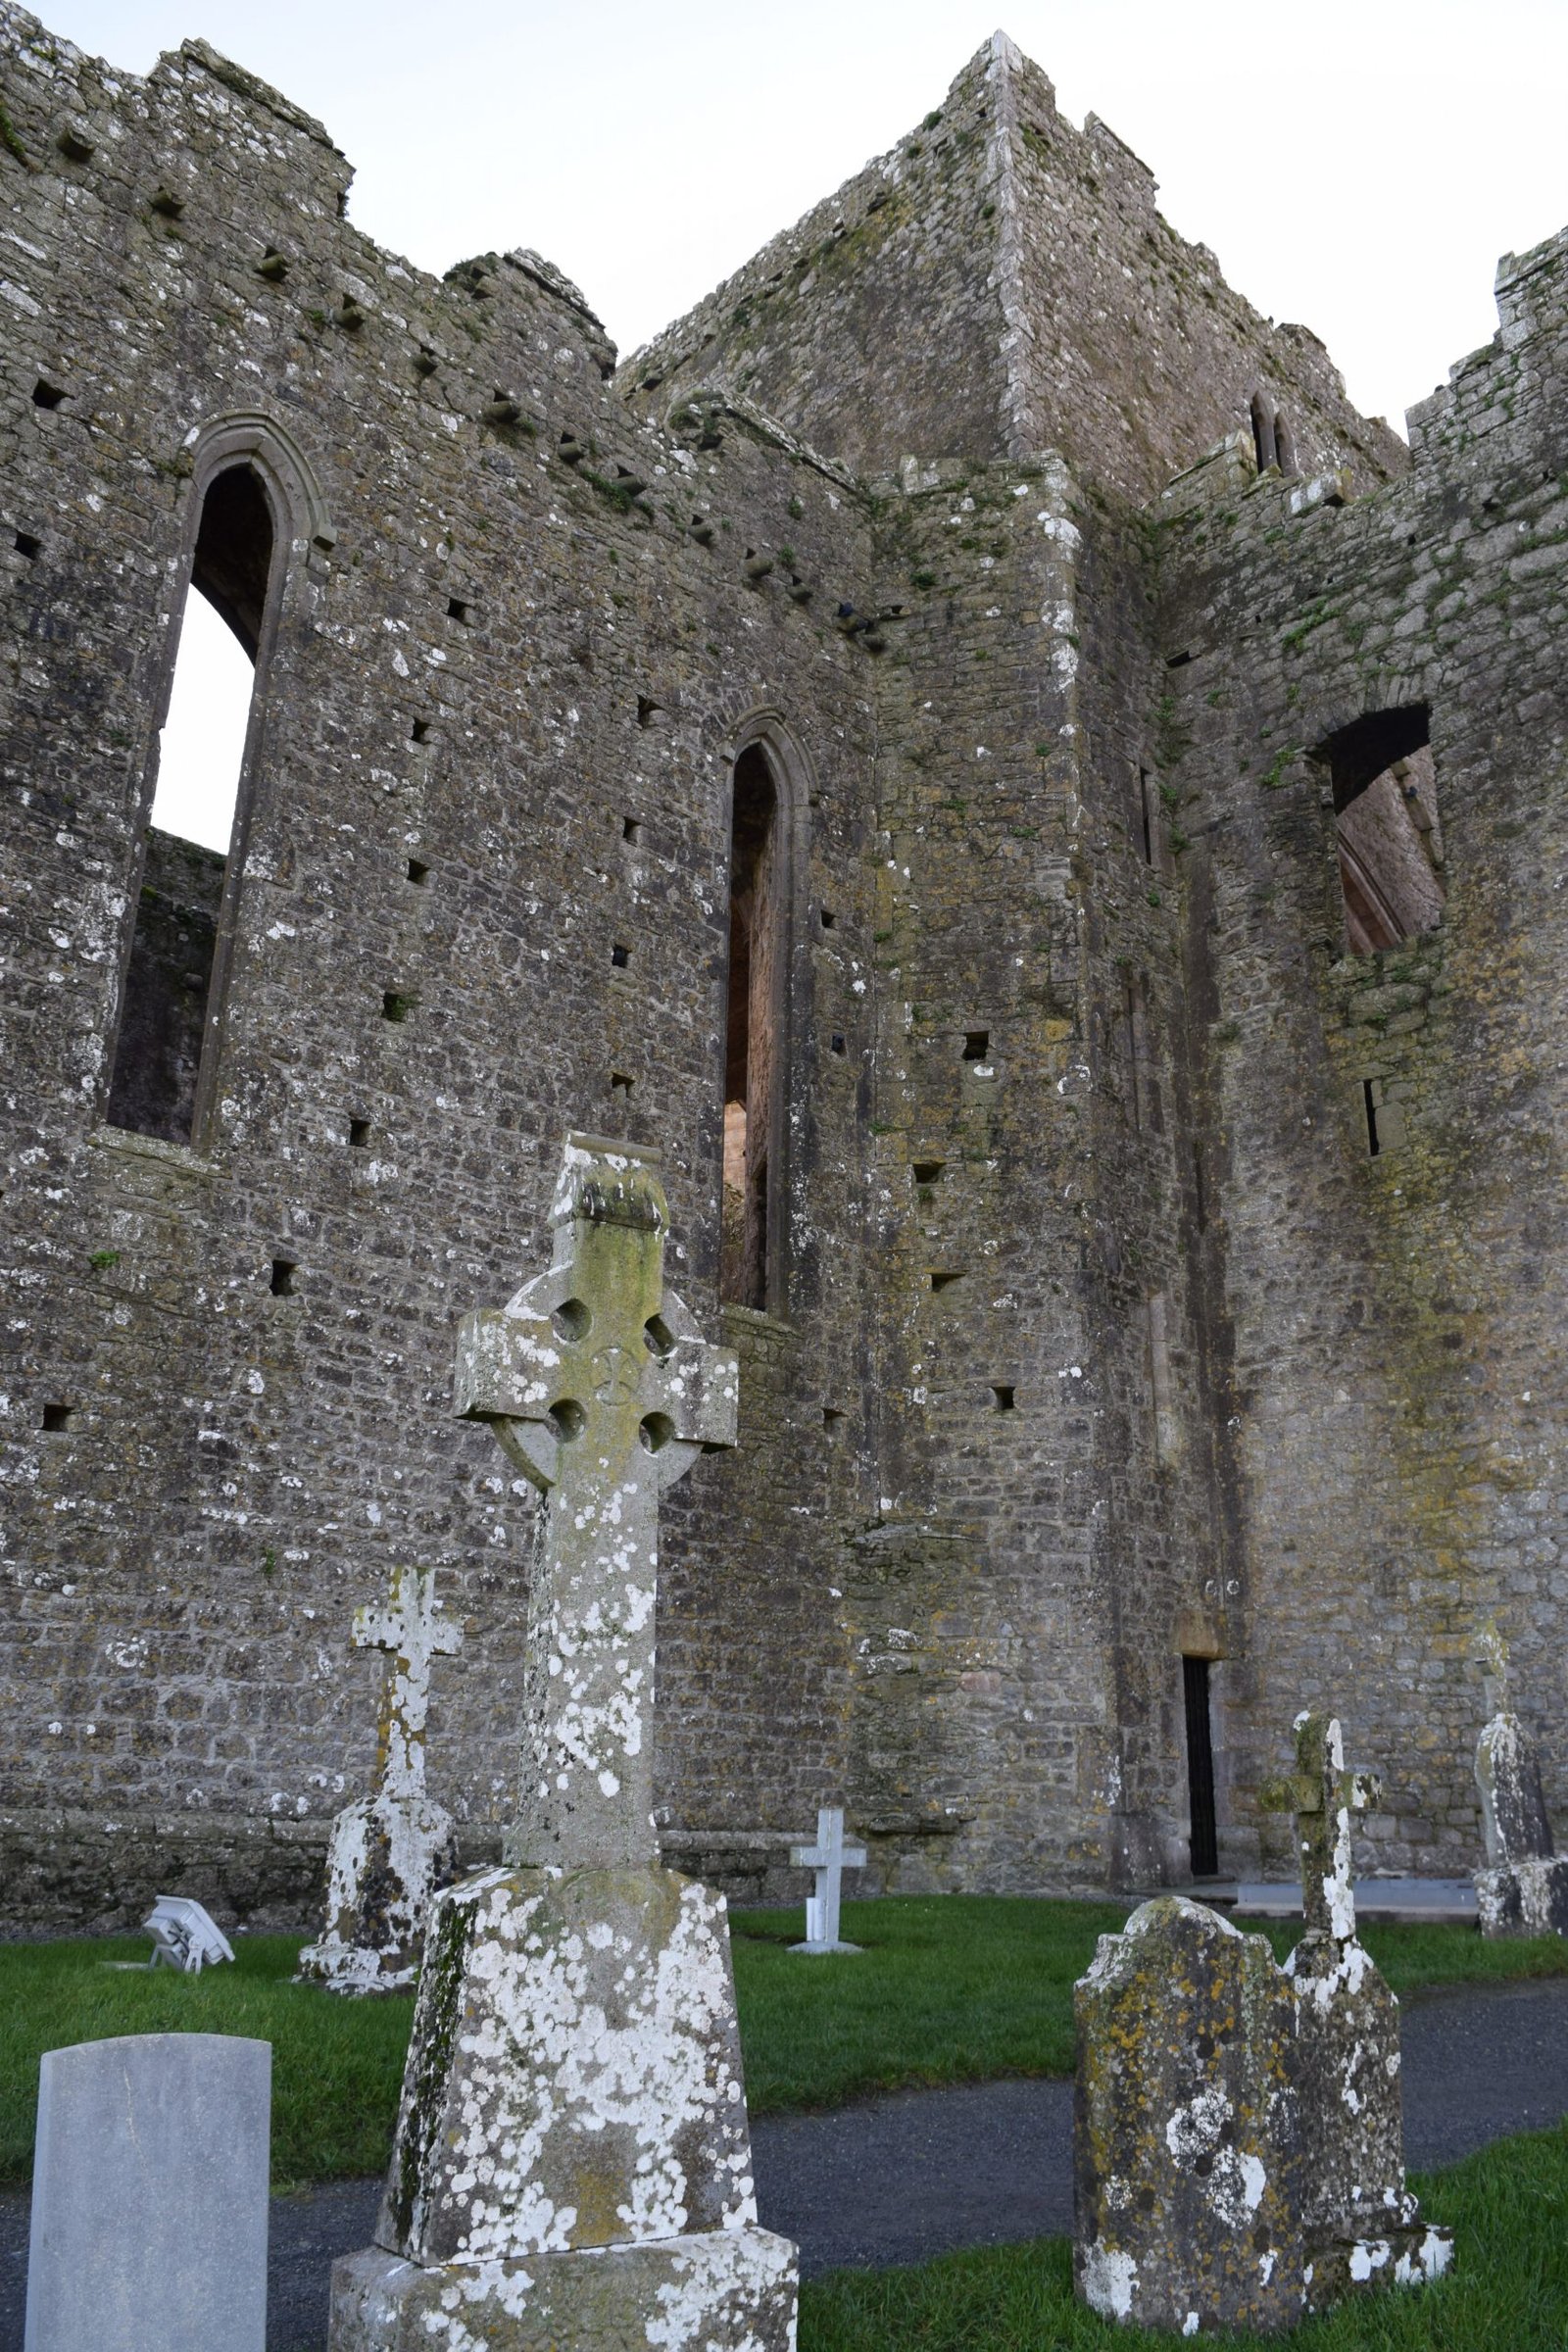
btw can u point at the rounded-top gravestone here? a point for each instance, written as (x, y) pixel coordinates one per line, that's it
(149, 2196)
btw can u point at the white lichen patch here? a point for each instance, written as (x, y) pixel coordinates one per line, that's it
(1109, 2278)
(593, 2093)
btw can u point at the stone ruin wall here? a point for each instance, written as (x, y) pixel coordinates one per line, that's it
(1395, 1319)
(963, 1617)
(237, 1470)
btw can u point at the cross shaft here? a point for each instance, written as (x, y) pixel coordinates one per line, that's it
(1323, 1795)
(600, 1387)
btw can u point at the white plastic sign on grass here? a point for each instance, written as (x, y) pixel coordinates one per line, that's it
(184, 1936)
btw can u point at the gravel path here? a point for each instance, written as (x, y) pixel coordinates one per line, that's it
(897, 2180)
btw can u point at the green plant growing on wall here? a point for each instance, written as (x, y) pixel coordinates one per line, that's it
(11, 143)
(1274, 774)
(102, 1259)
(1172, 742)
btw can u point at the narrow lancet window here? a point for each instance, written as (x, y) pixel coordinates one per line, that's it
(753, 1057)
(168, 1004)
(1264, 441)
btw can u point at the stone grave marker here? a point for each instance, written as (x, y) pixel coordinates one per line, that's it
(1523, 1888)
(572, 2160)
(1361, 2223)
(149, 2196)
(830, 1858)
(1186, 2137)
(391, 1850)
(1238, 2137)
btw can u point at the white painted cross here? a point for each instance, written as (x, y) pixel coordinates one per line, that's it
(830, 1858)
(408, 1627)
(599, 1385)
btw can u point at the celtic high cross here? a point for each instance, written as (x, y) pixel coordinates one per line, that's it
(601, 1388)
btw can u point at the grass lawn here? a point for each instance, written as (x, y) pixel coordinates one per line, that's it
(948, 1989)
(1508, 2291)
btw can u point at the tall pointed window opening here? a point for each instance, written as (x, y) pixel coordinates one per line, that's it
(1263, 442)
(749, 1272)
(172, 998)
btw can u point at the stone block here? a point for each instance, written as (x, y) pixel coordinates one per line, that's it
(575, 2075)
(1186, 2153)
(725, 2290)
(385, 1854)
(149, 2200)
(1524, 1898)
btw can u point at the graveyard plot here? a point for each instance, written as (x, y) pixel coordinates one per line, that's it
(1508, 2291)
(337, 2066)
(963, 1989)
(948, 1988)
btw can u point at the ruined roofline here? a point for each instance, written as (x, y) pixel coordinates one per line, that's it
(955, 223)
(247, 85)
(682, 339)
(171, 81)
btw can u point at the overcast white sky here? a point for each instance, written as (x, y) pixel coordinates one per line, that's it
(1358, 167)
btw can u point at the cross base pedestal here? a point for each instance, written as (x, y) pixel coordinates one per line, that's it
(386, 1855)
(727, 2290)
(1524, 1898)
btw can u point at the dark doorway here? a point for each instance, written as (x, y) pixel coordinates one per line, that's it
(168, 1004)
(752, 1043)
(1200, 1769)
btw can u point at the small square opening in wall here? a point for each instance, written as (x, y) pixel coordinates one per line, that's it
(459, 608)
(360, 1134)
(284, 1270)
(943, 1279)
(46, 395)
(1003, 1396)
(619, 1084)
(837, 1042)
(419, 872)
(419, 732)
(619, 957)
(829, 918)
(28, 546)
(630, 829)
(977, 1043)
(928, 1171)
(58, 1417)
(395, 1006)
(832, 1419)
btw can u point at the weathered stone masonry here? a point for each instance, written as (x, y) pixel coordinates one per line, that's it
(1093, 1333)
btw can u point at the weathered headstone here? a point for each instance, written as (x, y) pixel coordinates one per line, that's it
(573, 2162)
(1523, 1888)
(392, 1850)
(1360, 2223)
(149, 2196)
(830, 1858)
(1186, 2155)
(1239, 2139)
